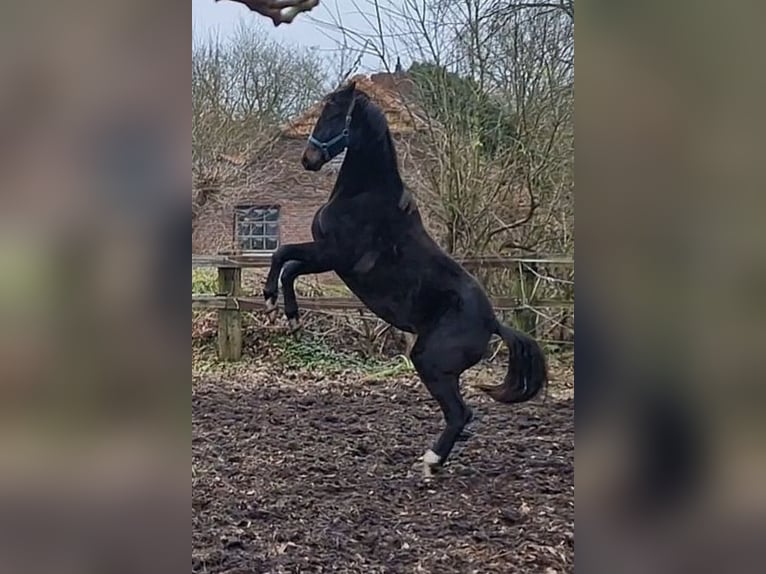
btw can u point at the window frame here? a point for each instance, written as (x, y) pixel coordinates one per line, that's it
(238, 216)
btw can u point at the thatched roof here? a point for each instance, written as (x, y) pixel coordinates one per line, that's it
(385, 90)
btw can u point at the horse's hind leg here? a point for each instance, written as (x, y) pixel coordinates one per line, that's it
(445, 389)
(440, 359)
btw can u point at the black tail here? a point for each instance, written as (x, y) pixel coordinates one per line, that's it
(527, 369)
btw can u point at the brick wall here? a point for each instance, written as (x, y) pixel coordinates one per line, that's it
(275, 180)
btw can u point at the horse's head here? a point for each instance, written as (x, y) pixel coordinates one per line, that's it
(332, 132)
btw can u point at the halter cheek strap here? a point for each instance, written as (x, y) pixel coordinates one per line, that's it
(337, 144)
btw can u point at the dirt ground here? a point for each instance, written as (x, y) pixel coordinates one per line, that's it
(302, 472)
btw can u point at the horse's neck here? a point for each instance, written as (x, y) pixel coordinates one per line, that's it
(372, 166)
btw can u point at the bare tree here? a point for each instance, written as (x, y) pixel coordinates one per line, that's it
(242, 90)
(498, 170)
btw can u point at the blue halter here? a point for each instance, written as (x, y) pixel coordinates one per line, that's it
(337, 144)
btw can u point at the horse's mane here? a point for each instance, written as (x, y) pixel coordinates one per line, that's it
(376, 122)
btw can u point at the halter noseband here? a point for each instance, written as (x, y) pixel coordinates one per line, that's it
(331, 148)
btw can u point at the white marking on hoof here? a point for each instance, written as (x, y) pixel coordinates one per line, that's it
(431, 461)
(271, 305)
(430, 457)
(294, 324)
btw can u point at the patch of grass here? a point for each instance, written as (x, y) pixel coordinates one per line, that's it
(305, 354)
(313, 353)
(308, 352)
(204, 281)
(396, 367)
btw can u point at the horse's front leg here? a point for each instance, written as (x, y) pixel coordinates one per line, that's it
(291, 271)
(313, 255)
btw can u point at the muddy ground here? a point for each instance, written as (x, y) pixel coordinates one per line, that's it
(303, 472)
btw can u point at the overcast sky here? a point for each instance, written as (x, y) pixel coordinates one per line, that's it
(312, 29)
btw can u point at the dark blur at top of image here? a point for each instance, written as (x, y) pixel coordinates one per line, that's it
(94, 232)
(670, 355)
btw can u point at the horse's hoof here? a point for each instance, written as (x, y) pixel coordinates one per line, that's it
(271, 310)
(431, 464)
(294, 325)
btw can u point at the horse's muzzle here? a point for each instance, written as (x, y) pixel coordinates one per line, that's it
(312, 158)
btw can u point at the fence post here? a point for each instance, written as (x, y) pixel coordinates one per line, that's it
(526, 318)
(229, 320)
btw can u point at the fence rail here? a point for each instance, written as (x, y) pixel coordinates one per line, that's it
(229, 302)
(263, 260)
(351, 302)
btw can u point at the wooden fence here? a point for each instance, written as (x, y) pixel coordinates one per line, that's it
(230, 303)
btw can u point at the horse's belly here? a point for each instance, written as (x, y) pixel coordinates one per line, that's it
(383, 303)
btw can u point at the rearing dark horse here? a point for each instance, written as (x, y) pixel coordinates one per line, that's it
(381, 250)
